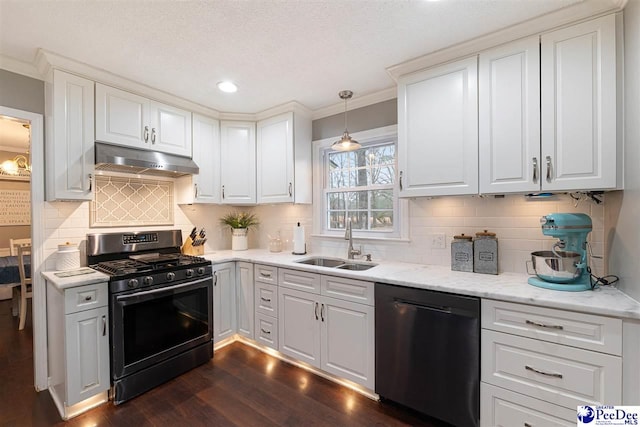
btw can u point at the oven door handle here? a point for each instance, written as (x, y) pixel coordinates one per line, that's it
(161, 290)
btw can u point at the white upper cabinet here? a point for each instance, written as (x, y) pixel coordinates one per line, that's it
(438, 130)
(205, 186)
(581, 140)
(509, 112)
(70, 137)
(283, 145)
(238, 166)
(128, 119)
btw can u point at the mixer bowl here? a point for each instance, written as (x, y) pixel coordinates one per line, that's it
(556, 269)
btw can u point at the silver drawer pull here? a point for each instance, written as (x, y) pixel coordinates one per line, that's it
(542, 325)
(548, 374)
(265, 299)
(88, 298)
(528, 425)
(268, 275)
(265, 332)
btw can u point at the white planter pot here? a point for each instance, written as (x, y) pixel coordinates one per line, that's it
(239, 241)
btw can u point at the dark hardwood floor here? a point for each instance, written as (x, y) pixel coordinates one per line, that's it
(241, 386)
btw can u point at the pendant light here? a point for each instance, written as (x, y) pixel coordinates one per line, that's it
(346, 143)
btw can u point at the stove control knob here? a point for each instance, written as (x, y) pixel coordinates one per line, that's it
(133, 283)
(200, 271)
(148, 280)
(171, 275)
(189, 272)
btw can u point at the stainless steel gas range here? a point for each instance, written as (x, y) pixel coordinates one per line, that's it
(160, 307)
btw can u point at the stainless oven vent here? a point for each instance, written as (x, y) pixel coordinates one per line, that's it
(114, 158)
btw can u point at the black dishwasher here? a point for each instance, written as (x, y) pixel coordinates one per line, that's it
(428, 352)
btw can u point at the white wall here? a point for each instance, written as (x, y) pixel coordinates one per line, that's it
(623, 219)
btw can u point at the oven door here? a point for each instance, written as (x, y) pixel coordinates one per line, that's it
(151, 325)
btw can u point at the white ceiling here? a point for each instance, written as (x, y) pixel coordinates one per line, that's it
(276, 51)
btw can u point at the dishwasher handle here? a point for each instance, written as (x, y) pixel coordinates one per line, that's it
(455, 311)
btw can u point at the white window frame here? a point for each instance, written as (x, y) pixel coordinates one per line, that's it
(401, 218)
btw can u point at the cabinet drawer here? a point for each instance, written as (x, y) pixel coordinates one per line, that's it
(294, 279)
(266, 274)
(504, 408)
(85, 297)
(554, 373)
(267, 299)
(267, 330)
(347, 289)
(581, 330)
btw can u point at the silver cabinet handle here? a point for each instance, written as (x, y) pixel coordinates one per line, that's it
(267, 275)
(542, 325)
(547, 374)
(87, 298)
(265, 299)
(548, 168)
(215, 278)
(223, 191)
(90, 183)
(322, 312)
(535, 170)
(265, 332)
(400, 180)
(104, 325)
(146, 134)
(290, 189)
(153, 135)
(195, 188)
(528, 425)
(315, 310)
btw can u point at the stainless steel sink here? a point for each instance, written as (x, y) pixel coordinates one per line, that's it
(355, 266)
(336, 263)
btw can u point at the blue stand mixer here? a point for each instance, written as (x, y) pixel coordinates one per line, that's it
(564, 267)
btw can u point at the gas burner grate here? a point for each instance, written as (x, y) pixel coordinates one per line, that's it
(122, 267)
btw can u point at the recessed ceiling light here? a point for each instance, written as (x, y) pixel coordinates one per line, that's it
(227, 86)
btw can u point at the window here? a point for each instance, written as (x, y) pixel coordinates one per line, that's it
(360, 187)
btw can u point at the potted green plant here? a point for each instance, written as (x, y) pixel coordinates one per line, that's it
(240, 223)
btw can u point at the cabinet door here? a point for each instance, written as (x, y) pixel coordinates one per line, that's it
(238, 162)
(438, 130)
(347, 340)
(245, 296)
(170, 129)
(224, 301)
(299, 325)
(87, 352)
(205, 186)
(274, 146)
(579, 106)
(121, 117)
(70, 147)
(509, 100)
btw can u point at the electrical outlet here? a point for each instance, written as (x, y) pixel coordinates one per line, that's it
(437, 241)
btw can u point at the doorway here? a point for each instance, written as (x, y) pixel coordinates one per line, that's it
(35, 126)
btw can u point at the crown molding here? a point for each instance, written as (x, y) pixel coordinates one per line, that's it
(356, 102)
(23, 68)
(575, 13)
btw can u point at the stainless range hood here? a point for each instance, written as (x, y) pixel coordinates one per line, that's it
(130, 160)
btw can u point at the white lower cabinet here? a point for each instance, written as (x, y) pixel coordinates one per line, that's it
(245, 296)
(224, 301)
(539, 364)
(78, 347)
(334, 335)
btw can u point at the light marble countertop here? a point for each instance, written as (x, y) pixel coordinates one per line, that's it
(72, 281)
(511, 287)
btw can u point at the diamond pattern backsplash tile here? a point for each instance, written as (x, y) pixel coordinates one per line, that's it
(121, 201)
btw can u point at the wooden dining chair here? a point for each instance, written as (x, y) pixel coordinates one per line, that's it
(14, 244)
(25, 283)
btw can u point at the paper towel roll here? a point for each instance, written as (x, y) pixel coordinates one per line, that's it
(299, 247)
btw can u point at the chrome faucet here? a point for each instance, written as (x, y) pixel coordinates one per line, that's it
(348, 235)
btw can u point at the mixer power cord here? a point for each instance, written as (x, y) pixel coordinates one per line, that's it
(601, 281)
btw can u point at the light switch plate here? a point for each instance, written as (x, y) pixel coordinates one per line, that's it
(438, 241)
